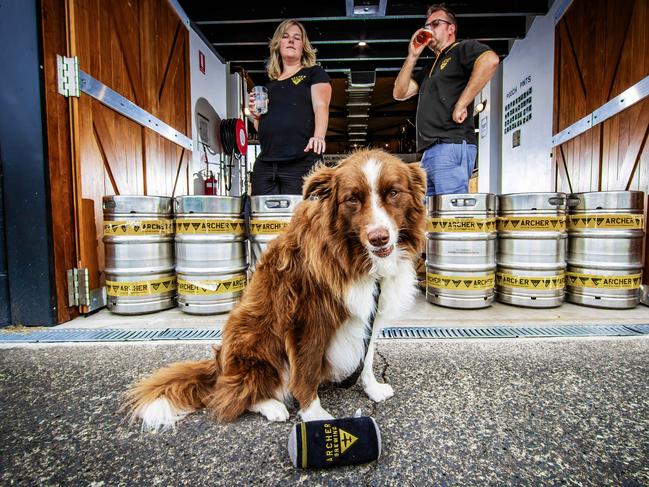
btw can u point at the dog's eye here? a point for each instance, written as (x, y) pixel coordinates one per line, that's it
(393, 193)
(353, 200)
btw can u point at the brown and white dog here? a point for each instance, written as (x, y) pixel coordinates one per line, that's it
(304, 316)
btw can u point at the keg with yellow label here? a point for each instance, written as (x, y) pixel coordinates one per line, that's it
(531, 255)
(139, 254)
(211, 259)
(270, 216)
(605, 238)
(460, 250)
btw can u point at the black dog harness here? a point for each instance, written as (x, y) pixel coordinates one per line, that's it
(352, 379)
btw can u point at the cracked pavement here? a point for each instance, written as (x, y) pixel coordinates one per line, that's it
(465, 412)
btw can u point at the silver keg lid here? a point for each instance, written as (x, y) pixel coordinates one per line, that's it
(137, 204)
(274, 204)
(468, 202)
(230, 205)
(607, 200)
(532, 201)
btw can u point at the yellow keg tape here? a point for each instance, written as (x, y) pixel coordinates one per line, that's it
(212, 286)
(532, 223)
(265, 227)
(622, 221)
(629, 281)
(138, 227)
(209, 225)
(531, 282)
(460, 283)
(140, 288)
(461, 225)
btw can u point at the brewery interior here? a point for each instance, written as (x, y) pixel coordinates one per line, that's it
(111, 100)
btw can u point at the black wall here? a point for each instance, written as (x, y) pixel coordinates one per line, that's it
(27, 228)
(5, 313)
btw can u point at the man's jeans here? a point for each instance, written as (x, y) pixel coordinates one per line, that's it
(449, 167)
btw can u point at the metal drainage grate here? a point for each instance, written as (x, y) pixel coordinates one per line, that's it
(514, 331)
(639, 328)
(105, 335)
(435, 332)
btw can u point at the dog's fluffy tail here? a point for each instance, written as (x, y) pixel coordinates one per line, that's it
(172, 392)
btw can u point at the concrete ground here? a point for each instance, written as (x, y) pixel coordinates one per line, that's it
(465, 412)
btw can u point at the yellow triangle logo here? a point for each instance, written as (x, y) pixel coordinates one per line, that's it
(346, 440)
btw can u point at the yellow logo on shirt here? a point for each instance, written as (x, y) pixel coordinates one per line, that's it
(444, 63)
(297, 79)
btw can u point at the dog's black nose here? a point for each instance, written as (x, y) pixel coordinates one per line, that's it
(378, 237)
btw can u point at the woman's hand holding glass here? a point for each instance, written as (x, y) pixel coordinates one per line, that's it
(258, 101)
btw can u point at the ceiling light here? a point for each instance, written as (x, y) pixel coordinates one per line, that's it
(362, 44)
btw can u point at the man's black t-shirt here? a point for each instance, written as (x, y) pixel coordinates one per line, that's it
(440, 85)
(285, 130)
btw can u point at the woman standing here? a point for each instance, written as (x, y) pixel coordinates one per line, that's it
(292, 131)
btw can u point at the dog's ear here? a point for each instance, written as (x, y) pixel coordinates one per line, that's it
(319, 183)
(417, 181)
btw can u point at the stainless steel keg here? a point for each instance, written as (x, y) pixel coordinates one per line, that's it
(605, 236)
(270, 216)
(460, 250)
(531, 255)
(644, 294)
(211, 257)
(138, 243)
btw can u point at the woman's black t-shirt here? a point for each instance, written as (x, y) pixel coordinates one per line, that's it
(285, 130)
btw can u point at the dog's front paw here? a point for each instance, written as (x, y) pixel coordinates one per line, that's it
(272, 410)
(314, 412)
(379, 392)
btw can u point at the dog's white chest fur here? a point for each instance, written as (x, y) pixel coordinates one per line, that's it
(347, 347)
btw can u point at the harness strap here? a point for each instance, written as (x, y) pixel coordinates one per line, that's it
(353, 378)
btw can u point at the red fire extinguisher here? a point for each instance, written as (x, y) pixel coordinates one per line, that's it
(210, 184)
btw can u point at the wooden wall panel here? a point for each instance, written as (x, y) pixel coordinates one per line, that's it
(165, 68)
(58, 156)
(597, 58)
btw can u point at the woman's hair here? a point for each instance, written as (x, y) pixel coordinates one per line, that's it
(274, 66)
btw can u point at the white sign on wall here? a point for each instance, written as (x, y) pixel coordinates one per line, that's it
(527, 105)
(518, 111)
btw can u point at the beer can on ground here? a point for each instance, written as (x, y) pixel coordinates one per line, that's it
(531, 255)
(211, 259)
(605, 237)
(460, 250)
(138, 244)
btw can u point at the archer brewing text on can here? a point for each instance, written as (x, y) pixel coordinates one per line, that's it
(531, 249)
(605, 236)
(138, 245)
(211, 257)
(334, 442)
(460, 250)
(270, 216)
